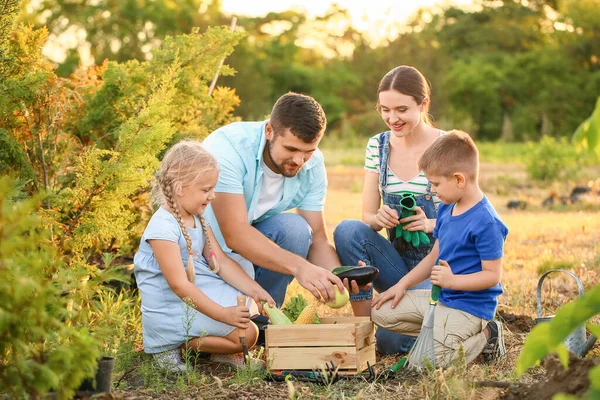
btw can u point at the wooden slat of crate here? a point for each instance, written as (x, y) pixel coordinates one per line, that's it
(311, 335)
(344, 320)
(312, 357)
(365, 354)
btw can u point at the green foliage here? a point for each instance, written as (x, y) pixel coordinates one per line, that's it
(97, 207)
(547, 337)
(588, 133)
(14, 160)
(40, 350)
(294, 307)
(550, 264)
(552, 159)
(125, 30)
(127, 85)
(8, 12)
(90, 189)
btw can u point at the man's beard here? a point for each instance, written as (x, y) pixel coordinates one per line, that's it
(280, 168)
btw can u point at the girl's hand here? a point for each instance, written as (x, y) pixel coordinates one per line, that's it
(261, 296)
(418, 222)
(386, 217)
(238, 316)
(442, 275)
(395, 293)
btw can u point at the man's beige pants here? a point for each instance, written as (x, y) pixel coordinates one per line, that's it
(452, 327)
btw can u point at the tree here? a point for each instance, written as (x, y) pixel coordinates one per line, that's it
(122, 30)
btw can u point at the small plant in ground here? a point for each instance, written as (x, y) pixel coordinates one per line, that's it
(549, 337)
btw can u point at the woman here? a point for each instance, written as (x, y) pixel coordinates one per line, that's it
(403, 100)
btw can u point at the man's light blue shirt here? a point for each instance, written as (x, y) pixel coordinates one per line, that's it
(238, 148)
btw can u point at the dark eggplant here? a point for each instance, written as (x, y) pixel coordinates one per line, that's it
(361, 274)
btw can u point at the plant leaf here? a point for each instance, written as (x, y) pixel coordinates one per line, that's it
(546, 337)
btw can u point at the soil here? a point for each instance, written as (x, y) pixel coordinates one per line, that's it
(516, 323)
(574, 380)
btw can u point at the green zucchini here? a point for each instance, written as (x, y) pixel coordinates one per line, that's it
(361, 274)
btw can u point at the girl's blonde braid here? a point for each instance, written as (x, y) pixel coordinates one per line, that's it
(189, 269)
(212, 259)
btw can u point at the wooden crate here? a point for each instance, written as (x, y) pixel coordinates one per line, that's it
(347, 341)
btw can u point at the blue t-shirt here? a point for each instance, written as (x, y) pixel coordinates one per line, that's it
(238, 147)
(465, 240)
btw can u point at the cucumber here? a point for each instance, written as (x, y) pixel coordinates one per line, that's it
(361, 274)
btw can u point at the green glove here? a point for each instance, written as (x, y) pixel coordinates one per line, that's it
(417, 238)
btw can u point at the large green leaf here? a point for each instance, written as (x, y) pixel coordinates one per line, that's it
(546, 337)
(588, 133)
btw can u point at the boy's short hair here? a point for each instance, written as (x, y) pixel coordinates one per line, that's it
(452, 152)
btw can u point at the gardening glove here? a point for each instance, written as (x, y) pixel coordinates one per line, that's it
(416, 238)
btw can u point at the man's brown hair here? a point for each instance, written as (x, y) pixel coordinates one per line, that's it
(301, 114)
(452, 152)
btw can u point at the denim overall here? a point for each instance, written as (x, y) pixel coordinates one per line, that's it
(412, 255)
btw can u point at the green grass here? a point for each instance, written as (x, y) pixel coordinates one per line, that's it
(349, 154)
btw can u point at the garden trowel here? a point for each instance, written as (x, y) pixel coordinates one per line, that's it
(241, 301)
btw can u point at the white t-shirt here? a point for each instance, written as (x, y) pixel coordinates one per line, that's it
(416, 186)
(271, 192)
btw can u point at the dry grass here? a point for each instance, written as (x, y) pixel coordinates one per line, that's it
(539, 240)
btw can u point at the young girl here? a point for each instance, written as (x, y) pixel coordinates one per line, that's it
(196, 305)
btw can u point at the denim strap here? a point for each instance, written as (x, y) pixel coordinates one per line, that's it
(384, 152)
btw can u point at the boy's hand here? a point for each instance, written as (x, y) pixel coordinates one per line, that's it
(442, 275)
(418, 222)
(395, 293)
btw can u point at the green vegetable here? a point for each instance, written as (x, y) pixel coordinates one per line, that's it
(293, 308)
(361, 274)
(276, 316)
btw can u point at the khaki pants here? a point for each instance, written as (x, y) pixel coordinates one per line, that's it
(452, 327)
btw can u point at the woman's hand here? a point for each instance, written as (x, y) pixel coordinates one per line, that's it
(395, 293)
(238, 316)
(442, 275)
(352, 287)
(418, 222)
(386, 217)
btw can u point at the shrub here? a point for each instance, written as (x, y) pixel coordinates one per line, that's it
(39, 350)
(551, 160)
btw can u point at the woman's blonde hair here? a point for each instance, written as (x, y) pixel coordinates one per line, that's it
(183, 165)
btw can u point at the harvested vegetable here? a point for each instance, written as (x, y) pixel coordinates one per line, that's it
(307, 315)
(276, 316)
(294, 307)
(340, 298)
(361, 274)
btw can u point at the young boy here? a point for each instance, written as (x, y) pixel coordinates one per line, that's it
(466, 260)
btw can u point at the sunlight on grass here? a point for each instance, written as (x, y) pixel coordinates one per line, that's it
(538, 240)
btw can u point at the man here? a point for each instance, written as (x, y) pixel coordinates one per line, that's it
(267, 168)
